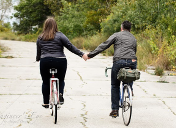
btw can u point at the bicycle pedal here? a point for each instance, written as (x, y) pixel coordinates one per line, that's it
(114, 116)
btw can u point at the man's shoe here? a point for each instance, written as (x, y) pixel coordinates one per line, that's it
(61, 99)
(132, 93)
(45, 105)
(114, 113)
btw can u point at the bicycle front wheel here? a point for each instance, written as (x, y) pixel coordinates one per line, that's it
(127, 105)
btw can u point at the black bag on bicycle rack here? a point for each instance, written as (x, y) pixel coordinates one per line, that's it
(128, 75)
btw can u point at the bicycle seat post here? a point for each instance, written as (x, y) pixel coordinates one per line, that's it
(53, 71)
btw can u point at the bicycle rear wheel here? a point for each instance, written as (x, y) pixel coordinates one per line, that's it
(55, 113)
(127, 105)
(55, 102)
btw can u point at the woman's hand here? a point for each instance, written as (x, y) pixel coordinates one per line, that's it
(85, 57)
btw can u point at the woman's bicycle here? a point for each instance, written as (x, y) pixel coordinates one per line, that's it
(54, 99)
(125, 101)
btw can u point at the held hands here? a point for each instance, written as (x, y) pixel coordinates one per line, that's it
(85, 57)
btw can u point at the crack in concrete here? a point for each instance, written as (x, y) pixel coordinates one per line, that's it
(167, 106)
(142, 89)
(84, 114)
(159, 99)
(80, 76)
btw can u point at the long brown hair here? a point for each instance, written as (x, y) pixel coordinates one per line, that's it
(49, 29)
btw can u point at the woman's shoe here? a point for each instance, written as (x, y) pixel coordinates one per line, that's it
(45, 105)
(61, 99)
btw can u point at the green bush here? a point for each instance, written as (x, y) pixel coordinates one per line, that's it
(30, 37)
(159, 71)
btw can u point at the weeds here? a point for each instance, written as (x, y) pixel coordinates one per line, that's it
(2, 49)
(10, 36)
(159, 71)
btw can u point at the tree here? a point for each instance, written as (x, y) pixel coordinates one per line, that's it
(83, 17)
(30, 13)
(4, 27)
(54, 6)
(5, 5)
(71, 18)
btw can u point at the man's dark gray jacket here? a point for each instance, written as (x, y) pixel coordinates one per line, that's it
(125, 46)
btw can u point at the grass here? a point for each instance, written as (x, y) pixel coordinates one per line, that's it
(13, 36)
(10, 36)
(162, 82)
(8, 57)
(2, 49)
(159, 71)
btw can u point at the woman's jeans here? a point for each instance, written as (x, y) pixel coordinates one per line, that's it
(115, 83)
(45, 65)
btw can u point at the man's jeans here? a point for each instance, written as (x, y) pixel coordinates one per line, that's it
(115, 83)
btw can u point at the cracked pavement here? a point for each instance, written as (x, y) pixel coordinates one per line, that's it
(87, 94)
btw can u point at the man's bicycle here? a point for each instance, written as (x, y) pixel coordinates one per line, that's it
(125, 101)
(54, 99)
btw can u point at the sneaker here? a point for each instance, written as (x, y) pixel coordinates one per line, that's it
(61, 99)
(114, 113)
(45, 105)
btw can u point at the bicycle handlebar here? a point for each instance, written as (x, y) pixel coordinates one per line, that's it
(106, 71)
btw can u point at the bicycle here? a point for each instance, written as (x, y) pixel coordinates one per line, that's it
(125, 101)
(54, 99)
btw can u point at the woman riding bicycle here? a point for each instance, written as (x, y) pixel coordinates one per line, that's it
(50, 53)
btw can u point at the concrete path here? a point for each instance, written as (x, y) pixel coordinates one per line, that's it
(87, 94)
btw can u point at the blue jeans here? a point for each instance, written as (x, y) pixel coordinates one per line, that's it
(115, 83)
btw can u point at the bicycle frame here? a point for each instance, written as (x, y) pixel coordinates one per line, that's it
(54, 99)
(53, 88)
(122, 87)
(121, 94)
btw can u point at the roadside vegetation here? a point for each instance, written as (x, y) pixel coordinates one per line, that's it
(88, 23)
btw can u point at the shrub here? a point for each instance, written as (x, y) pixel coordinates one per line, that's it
(30, 37)
(10, 36)
(159, 71)
(78, 42)
(92, 42)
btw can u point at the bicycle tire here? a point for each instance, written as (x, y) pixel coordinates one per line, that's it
(55, 106)
(127, 105)
(55, 114)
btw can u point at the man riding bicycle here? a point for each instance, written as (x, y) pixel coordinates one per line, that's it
(125, 47)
